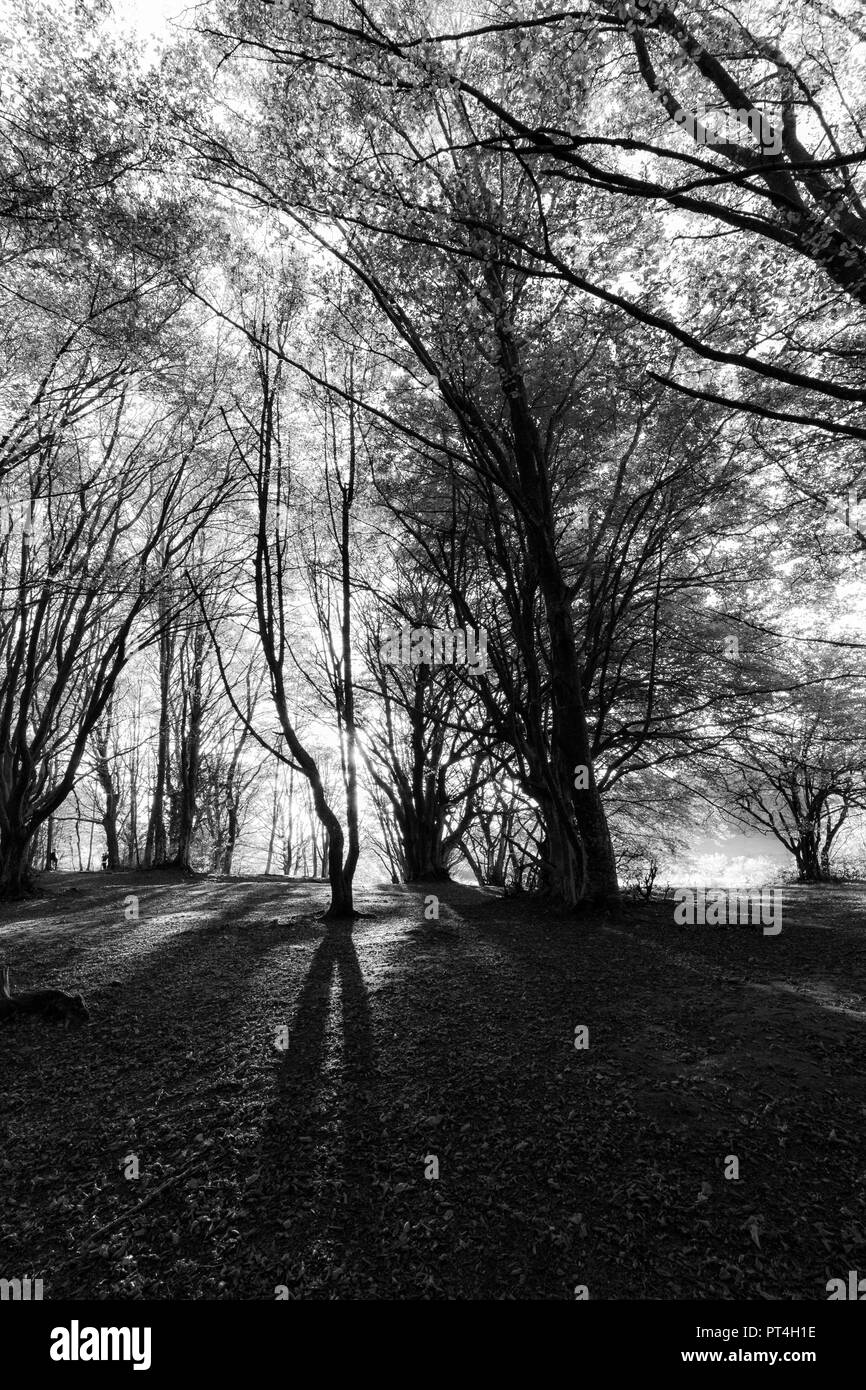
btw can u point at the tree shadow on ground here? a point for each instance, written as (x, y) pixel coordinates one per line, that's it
(312, 1210)
(170, 1040)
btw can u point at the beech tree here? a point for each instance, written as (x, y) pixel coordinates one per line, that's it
(462, 241)
(116, 512)
(526, 321)
(800, 770)
(262, 449)
(426, 759)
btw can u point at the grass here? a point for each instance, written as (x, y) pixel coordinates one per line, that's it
(281, 1087)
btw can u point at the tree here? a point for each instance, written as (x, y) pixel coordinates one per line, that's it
(102, 767)
(118, 510)
(458, 235)
(800, 772)
(262, 452)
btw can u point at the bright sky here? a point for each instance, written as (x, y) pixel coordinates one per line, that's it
(152, 19)
(150, 16)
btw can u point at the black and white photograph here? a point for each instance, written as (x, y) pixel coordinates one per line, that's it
(433, 662)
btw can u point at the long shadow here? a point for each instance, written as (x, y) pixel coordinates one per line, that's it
(167, 1039)
(313, 1210)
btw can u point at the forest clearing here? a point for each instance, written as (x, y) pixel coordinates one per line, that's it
(304, 1169)
(432, 672)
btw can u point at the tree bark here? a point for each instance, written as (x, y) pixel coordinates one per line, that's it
(156, 843)
(109, 816)
(15, 879)
(582, 864)
(190, 759)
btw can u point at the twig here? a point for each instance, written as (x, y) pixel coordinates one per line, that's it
(130, 1216)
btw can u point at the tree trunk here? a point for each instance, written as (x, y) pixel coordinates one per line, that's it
(422, 824)
(132, 851)
(15, 880)
(272, 624)
(582, 862)
(806, 853)
(273, 834)
(109, 817)
(231, 836)
(92, 828)
(190, 757)
(156, 843)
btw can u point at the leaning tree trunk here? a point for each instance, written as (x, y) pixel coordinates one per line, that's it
(272, 625)
(342, 902)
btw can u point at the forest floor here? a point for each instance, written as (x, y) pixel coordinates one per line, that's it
(263, 1165)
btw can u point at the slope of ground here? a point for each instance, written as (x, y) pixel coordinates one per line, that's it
(282, 1088)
